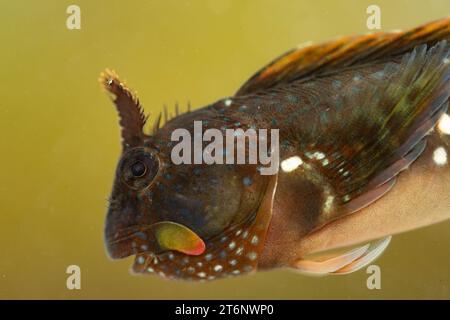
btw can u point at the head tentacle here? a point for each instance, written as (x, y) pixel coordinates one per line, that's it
(132, 117)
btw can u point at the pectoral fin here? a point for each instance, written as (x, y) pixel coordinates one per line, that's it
(348, 262)
(332, 264)
(373, 252)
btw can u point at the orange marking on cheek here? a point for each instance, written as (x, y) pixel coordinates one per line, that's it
(175, 236)
(196, 250)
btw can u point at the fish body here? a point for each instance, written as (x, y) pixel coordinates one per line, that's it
(358, 121)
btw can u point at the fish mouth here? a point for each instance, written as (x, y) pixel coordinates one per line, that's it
(125, 244)
(130, 241)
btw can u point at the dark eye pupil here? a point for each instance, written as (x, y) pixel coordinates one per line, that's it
(138, 169)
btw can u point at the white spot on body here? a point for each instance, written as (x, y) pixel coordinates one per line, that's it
(201, 274)
(254, 240)
(208, 257)
(328, 203)
(218, 268)
(252, 255)
(191, 269)
(319, 155)
(140, 260)
(239, 251)
(228, 102)
(233, 262)
(290, 164)
(440, 156)
(232, 245)
(444, 124)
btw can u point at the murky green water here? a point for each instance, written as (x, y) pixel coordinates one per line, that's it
(60, 138)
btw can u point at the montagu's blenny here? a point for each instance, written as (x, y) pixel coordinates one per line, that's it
(363, 144)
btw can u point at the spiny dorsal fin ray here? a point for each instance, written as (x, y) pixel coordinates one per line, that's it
(165, 116)
(132, 117)
(320, 59)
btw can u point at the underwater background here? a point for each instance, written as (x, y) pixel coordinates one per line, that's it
(60, 135)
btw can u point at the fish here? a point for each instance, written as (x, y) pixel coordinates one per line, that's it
(364, 138)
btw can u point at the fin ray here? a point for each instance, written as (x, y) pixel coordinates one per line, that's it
(330, 265)
(374, 251)
(323, 58)
(348, 262)
(389, 120)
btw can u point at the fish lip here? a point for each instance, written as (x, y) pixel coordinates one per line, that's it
(119, 245)
(122, 244)
(118, 250)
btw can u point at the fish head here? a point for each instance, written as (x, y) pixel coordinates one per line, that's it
(185, 210)
(182, 220)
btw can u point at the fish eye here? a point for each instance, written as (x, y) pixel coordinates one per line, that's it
(138, 169)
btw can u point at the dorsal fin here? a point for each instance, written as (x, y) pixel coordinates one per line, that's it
(324, 58)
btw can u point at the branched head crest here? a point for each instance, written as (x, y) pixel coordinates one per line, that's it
(132, 117)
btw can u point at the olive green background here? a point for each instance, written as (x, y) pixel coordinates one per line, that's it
(60, 138)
